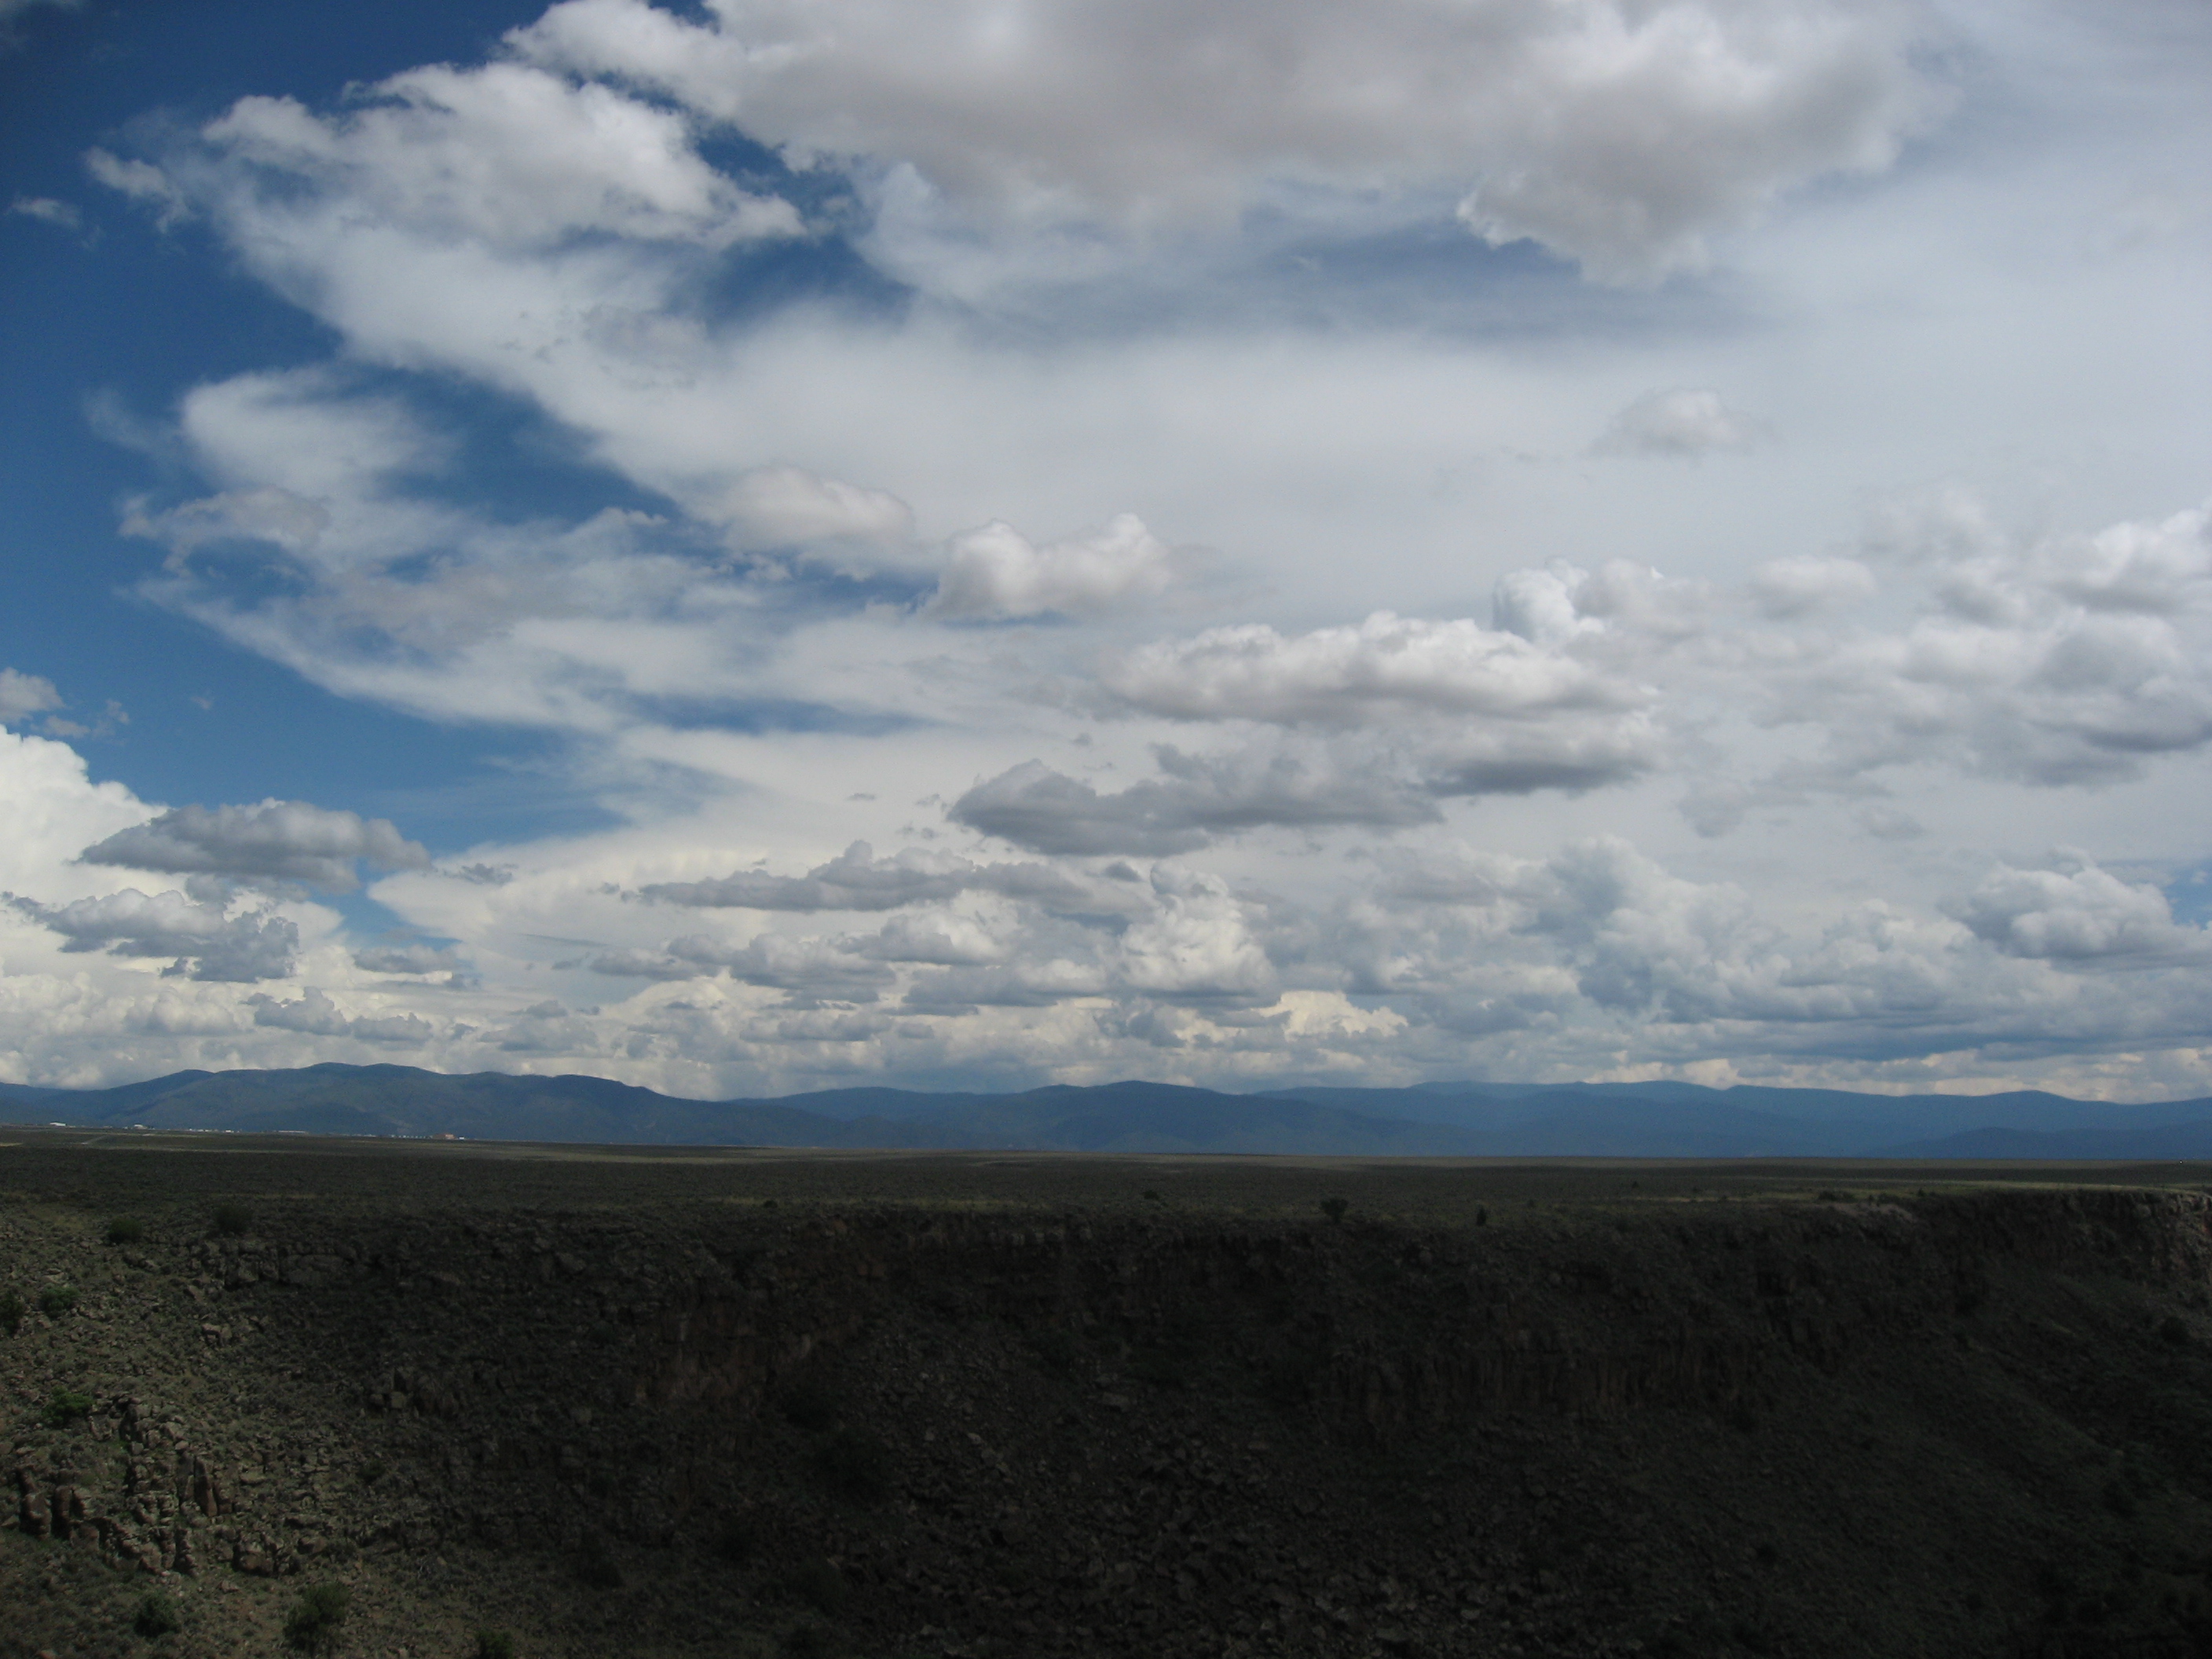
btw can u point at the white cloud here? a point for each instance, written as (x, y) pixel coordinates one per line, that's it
(1617, 135)
(142, 182)
(857, 880)
(788, 506)
(1800, 586)
(278, 841)
(1197, 945)
(45, 208)
(24, 694)
(2078, 912)
(2054, 661)
(11, 10)
(1683, 423)
(995, 571)
(1381, 670)
(507, 155)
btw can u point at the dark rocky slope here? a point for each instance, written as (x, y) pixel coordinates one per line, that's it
(655, 1414)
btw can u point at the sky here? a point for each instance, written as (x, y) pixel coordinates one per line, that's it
(779, 545)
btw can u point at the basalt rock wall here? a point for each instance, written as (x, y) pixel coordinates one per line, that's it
(1137, 1431)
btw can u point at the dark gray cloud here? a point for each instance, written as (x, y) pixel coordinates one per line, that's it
(856, 880)
(316, 1015)
(416, 958)
(808, 968)
(1200, 798)
(278, 841)
(1509, 762)
(205, 944)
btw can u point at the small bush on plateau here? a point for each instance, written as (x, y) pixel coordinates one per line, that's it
(231, 1220)
(125, 1230)
(495, 1645)
(65, 1407)
(156, 1616)
(312, 1624)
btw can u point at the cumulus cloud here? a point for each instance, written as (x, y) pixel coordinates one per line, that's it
(1377, 671)
(1197, 945)
(206, 943)
(278, 841)
(939, 939)
(1615, 135)
(1683, 424)
(24, 694)
(996, 571)
(2055, 662)
(856, 880)
(2078, 912)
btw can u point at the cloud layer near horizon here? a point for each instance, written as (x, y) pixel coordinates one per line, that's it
(1187, 542)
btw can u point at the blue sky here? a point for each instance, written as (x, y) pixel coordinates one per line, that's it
(769, 545)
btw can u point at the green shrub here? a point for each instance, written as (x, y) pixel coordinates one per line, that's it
(125, 1230)
(65, 1407)
(231, 1220)
(1334, 1208)
(811, 1641)
(56, 1300)
(495, 1645)
(820, 1585)
(11, 1311)
(312, 1624)
(371, 1472)
(855, 1464)
(156, 1616)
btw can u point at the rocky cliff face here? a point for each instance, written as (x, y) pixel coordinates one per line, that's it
(1796, 1425)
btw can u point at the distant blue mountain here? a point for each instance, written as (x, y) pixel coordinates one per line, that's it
(1485, 1120)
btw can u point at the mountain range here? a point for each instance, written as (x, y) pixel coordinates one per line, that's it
(1481, 1120)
